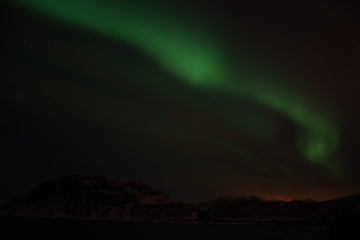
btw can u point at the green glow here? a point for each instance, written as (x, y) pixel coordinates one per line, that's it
(167, 41)
(199, 62)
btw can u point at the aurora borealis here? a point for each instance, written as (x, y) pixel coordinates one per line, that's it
(196, 62)
(184, 96)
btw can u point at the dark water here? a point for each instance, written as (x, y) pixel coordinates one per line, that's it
(45, 228)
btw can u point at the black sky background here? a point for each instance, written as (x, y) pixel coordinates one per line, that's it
(76, 102)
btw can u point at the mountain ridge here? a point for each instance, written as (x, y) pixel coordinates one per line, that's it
(83, 196)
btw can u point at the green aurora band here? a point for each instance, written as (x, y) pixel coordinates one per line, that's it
(200, 63)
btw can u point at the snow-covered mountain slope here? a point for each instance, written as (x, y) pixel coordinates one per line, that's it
(84, 196)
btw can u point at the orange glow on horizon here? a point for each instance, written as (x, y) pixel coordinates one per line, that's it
(316, 196)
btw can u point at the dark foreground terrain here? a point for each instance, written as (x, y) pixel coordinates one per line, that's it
(53, 228)
(103, 207)
(107, 198)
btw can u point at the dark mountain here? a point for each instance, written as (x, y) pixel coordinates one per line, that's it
(234, 201)
(85, 196)
(108, 198)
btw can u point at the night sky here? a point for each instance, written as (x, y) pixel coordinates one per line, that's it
(201, 99)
